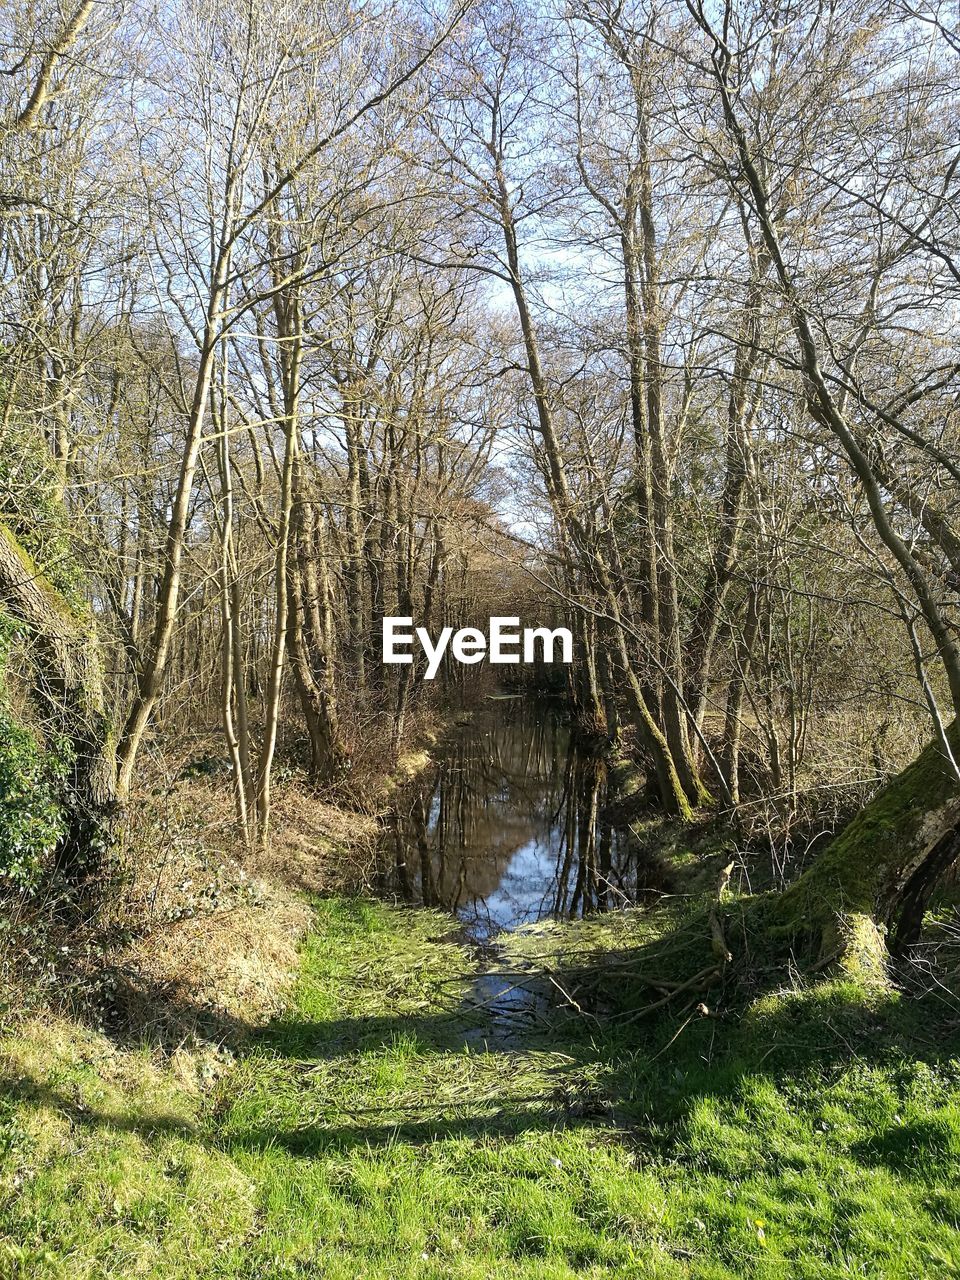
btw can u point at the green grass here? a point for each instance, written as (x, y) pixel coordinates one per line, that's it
(369, 1133)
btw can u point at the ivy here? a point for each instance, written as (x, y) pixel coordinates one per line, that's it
(32, 507)
(32, 778)
(32, 819)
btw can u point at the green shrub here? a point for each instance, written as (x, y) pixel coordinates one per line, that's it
(31, 814)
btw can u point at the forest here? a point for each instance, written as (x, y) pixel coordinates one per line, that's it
(635, 322)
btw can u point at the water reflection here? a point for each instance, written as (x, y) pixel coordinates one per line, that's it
(511, 826)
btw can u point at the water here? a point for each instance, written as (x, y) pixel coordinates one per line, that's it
(513, 824)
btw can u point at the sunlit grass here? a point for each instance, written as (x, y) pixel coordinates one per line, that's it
(369, 1133)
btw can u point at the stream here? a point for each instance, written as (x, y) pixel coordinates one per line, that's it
(511, 824)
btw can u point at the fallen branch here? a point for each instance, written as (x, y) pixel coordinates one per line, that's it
(699, 982)
(718, 943)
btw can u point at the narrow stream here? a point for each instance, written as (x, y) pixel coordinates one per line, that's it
(512, 825)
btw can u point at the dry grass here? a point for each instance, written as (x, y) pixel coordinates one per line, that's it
(212, 932)
(316, 845)
(214, 975)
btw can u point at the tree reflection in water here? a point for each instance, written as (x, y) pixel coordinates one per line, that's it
(511, 826)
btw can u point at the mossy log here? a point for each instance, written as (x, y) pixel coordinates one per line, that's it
(68, 687)
(869, 887)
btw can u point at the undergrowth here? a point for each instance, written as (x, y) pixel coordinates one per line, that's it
(377, 1128)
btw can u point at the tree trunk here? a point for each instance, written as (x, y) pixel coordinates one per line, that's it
(676, 796)
(875, 877)
(309, 639)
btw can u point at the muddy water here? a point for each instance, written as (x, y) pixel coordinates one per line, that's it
(511, 825)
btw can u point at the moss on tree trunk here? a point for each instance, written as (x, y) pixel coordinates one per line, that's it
(877, 873)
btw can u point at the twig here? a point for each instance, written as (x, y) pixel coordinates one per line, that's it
(700, 1009)
(569, 998)
(699, 982)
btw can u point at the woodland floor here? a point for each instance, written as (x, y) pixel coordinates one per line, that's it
(369, 1131)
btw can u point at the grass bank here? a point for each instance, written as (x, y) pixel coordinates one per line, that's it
(368, 1132)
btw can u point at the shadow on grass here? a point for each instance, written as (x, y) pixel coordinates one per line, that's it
(631, 1088)
(632, 1076)
(27, 1088)
(417, 1125)
(924, 1146)
(322, 1128)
